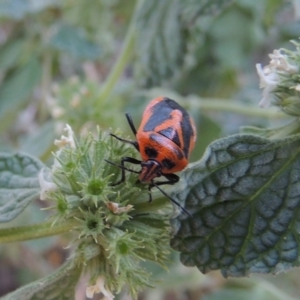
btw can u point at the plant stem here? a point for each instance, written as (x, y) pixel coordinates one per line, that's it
(233, 107)
(16, 234)
(121, 61)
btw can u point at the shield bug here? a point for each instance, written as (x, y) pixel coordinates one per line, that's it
(165, 139)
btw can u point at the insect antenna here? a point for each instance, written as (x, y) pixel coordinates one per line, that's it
(174, 201)
(122, 167)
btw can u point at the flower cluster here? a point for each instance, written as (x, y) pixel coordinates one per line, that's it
(114, 227)
(77, 103)
(281, 80)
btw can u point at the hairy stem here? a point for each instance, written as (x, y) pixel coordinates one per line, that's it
(232, 107)
(16, 234)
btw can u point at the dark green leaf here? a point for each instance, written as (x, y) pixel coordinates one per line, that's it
(160, 40)
(17, 88)
(73, 41)
(245, 199)
(59, 285)
(18, 183)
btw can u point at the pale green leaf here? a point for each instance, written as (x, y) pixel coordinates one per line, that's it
(18, 183)
(58, 286)
(292, 127)
(244, 196)
(17, 9)
(17, 88)
(39, 142)
(10, 54)
(73, 41)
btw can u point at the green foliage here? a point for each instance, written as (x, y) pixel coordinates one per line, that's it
(85, 64)
(73, 41)
(107, 217)
(250, 289)
(40, 141)
(19, 184)
(17, 88)
(59, 285)
(163, 35)
(244, 197)
(10, 53)
(77, 103)
(160, 40)
(17, 9)
(194, 9)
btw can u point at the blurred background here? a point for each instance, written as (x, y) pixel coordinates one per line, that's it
(86, 63)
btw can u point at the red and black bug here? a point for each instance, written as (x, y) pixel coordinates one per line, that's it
(165, 139)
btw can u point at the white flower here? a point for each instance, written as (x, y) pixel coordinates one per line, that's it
(269, 75)
(99, 288)
(66, 140)
(279, 62)
(46, 186)
(268, 81)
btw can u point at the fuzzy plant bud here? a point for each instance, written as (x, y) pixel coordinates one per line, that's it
(114, 226)
(280, 80)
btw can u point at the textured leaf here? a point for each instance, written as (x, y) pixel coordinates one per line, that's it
(160, 40)
(192, 9)
(245, 199)
(17, 88)
(17, 9)
(58, 286)
(18, 183)
(73, 41)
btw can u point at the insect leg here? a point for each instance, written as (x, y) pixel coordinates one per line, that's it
(130, 122)
(133, 143)
(132, 127)
(172, 179)
(123, 168)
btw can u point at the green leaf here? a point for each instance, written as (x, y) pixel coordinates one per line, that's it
(289, 129)
(73, 41)
(17, 88)
(160, 40)
(17, 9)
(245, 198)
(192, 9)
(18, 183)
(59, 285)
(10, 53)
(39, 142)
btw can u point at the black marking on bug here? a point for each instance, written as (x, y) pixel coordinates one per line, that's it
(168, 164)
(161, 112)
(151, 152)
(187, 134)
(159, 139)
(171, 134)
